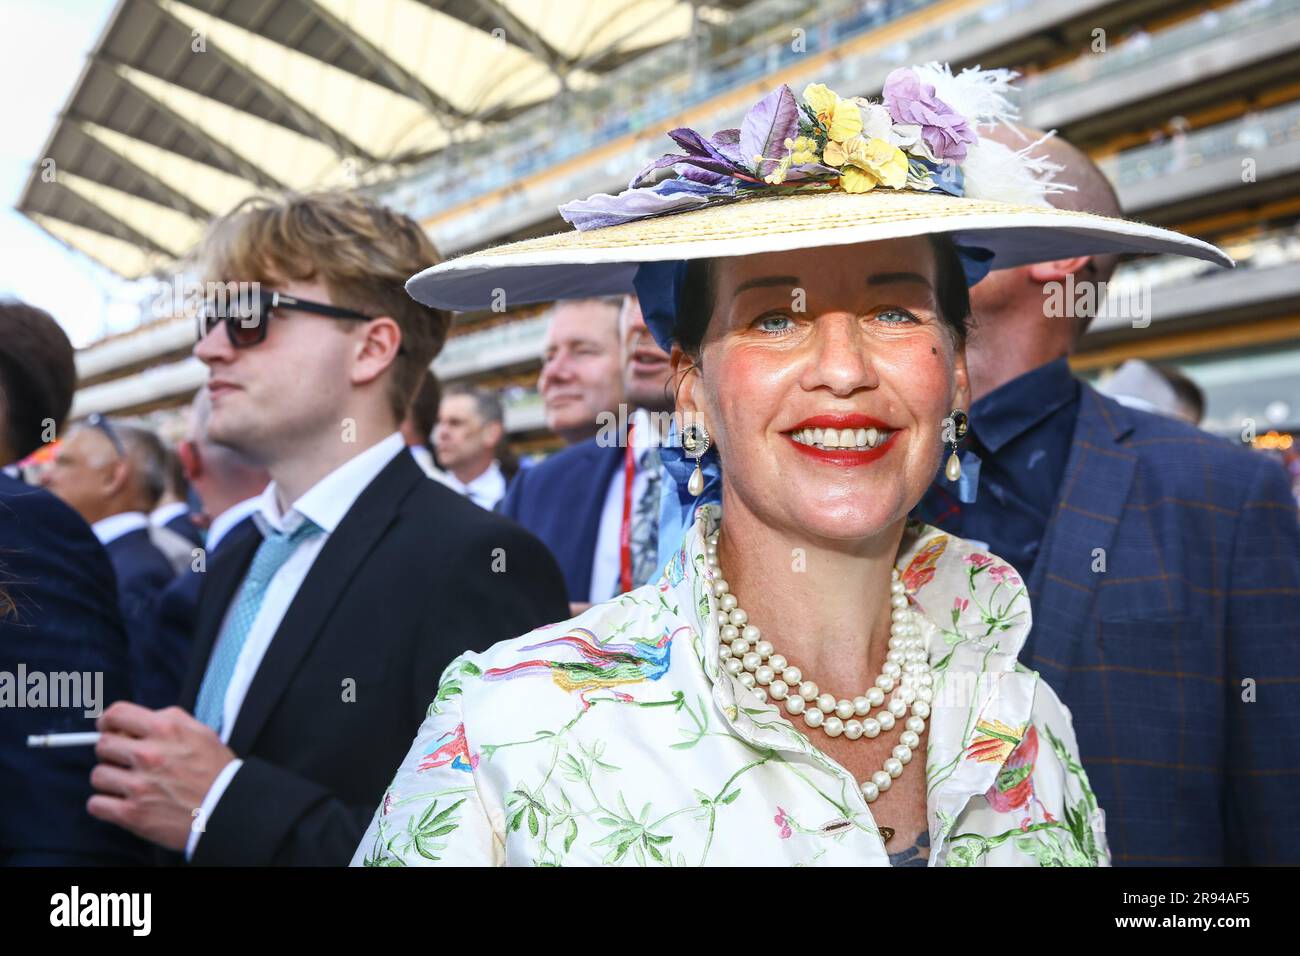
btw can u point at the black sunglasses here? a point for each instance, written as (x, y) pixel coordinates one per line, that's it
(96, 420)
(246, 318)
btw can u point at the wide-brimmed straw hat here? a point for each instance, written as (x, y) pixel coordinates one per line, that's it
(824, 172)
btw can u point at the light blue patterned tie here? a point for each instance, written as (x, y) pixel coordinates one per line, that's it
(275, 549)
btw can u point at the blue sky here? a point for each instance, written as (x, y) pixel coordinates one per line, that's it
(43, 46)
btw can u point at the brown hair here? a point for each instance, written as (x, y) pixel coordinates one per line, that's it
(423, 410)
(38, 377)
(363, 253)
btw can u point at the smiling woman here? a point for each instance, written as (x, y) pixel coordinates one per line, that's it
(814, 678)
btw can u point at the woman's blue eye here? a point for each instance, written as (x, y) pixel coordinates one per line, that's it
(899, 316)
(765, 323)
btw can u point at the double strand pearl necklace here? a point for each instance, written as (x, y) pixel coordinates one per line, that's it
(754, 662)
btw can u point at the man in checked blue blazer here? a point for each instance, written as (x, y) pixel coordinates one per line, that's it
(1163, 567)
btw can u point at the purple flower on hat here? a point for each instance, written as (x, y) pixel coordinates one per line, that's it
(944, 130)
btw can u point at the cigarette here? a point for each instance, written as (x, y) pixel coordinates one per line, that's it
(63, 740)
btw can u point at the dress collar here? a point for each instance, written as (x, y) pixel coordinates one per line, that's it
(1014, 407)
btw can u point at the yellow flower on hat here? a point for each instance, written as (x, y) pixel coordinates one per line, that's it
(886, 162)
(841, 118)
(867, 164)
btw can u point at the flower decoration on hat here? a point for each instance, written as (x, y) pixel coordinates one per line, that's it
(921, 137)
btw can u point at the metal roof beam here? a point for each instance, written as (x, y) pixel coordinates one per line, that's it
(532, 40)
(408, 83)
(226, 158)
(304, 120)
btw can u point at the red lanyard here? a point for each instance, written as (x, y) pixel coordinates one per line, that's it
(625, 530)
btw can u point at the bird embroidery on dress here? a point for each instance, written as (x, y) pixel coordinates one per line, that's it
(924, 564)
(1017, 750)
(603, 666)
(454, 752)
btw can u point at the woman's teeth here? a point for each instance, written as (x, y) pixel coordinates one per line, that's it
(859, 438)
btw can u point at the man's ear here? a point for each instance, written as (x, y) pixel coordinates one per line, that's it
(496, 432)
(191, 459)
(378, 349)
(1057, 269)
(116, 477)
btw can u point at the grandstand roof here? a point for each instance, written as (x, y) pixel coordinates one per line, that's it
(184, 108)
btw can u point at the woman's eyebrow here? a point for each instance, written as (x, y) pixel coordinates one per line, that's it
(766, 281)
(883, 278)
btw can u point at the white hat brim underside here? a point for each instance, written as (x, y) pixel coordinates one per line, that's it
(472, 283)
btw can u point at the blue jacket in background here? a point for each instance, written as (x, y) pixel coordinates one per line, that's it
(560, 500)
(142, 573)
(65, 619)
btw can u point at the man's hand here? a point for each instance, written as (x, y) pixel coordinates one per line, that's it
(155, 767)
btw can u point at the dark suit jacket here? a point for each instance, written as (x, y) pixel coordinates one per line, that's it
(560, 501)
(1200, 593)
(173, 636)
(187, 529)
(65, 619)
(142, 573)
(413, 575)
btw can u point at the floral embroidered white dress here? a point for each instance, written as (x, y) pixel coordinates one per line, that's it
(618, 738)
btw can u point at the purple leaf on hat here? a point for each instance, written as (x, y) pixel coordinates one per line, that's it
(707, 176)
(695, 144)
(727, 142)
(944, 130)
(671, 195)
(766, 127)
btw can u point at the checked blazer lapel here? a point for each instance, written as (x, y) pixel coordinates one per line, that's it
(1095, 490)
(344, 552)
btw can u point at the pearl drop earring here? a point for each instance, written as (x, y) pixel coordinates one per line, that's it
(695, 442)
(952, 470)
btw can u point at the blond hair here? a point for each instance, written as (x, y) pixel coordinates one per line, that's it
(361, 251)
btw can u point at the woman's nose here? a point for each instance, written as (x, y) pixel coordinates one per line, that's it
(841, 355)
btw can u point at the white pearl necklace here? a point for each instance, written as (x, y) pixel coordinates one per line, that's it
(755, 663)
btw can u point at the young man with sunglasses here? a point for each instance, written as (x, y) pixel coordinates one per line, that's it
(320, 637)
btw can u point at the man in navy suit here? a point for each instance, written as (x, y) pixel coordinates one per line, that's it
(574, 500)
(58, 616)
(173, 509)
(228, 484)
(112, 475)
(1163, 568)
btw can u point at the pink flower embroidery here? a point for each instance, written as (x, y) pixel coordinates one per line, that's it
(783, 822)
(978, 560)
(1004, 574)
(960, 604)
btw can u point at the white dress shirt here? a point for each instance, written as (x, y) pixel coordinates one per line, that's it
(113, 527)
(160, 516)
(325, 503)
(224, 522)
(485, 490)
(424, 458)
(605, 561)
